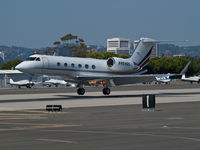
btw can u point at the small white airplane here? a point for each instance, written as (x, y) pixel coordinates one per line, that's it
(163, 79)
(21, 83)
(114, 71)
(55, 82)
(166, 79)
(191, 79)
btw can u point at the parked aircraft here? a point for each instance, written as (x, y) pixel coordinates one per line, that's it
(166, 79)
(163, 79)
(191, 79)
(55, 82)
(20, 83)
(114, 71)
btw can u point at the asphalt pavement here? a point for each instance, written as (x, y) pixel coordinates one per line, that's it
(98, 122)
(169, 126)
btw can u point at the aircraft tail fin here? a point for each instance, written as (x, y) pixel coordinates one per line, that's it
(142, 52)
(11, 81)
(183, 76)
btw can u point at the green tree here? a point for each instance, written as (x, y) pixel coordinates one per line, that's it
(56, 43)
(172, 65)
(68, 37)
(11, 64)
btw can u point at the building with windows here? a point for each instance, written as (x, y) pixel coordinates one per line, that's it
(119, 46)
(154, 50)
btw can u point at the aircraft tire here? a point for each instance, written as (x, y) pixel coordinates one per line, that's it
(81, 91)
(106, 91)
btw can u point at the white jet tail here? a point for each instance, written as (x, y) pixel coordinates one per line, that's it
(11, 81)
(183, 77)
(142, 52)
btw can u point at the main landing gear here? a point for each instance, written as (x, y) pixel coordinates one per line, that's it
(106, 91)
(81, 91)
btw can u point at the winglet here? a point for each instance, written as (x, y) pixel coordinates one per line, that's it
(185, 68)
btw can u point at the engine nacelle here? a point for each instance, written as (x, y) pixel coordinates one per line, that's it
(120, 65)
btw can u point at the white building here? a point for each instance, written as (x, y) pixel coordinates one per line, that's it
(154, 50)
(119, 46)
(2, 55)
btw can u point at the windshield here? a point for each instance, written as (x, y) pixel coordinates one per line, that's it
(33, 59)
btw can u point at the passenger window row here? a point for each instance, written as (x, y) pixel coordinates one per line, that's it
(79, 65)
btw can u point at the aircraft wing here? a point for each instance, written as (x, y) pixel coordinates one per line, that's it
(120, 79)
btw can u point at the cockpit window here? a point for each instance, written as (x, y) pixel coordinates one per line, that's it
(33, 59)
(38, 59)
(30, 58)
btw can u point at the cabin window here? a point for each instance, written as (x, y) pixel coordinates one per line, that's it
(65, 64)
(79, 65)
(86, 66)
(93, 67)
(72, 65)
(58, 64)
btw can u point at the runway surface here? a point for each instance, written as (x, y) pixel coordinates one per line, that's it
(98, 122)
(38, 98)
(170, 126)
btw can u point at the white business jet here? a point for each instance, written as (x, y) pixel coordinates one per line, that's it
(55, 82)
(20, 83)
(114, 71)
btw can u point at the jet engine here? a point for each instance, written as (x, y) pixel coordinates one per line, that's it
(120, 65)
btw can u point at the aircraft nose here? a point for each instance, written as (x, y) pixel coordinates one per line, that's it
(20, 67)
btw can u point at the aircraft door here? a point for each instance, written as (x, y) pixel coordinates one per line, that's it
(45, 62)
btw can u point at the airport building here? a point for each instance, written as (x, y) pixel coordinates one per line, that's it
(119, 46)
(154, 51)
(2, 56)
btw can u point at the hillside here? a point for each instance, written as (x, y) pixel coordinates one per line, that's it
(14, 52)
(22, 53)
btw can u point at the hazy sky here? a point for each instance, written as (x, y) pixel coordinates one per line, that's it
(38, 23)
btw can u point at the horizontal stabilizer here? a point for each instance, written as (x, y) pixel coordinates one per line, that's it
(148, 40)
